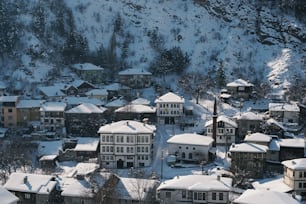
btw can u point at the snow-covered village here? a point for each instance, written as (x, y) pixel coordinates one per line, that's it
(160, 101)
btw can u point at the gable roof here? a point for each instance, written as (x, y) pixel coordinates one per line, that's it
(197, 183)
(258, 137)
(29, 103)
(8, 99)
(127, 126)
(248, 147)
(78, 83)
(170, 98)
(239, 83)
(30, 183)
(95, 92)
(52, 91)
(134, 71)
(136, 108)
(87, 144)
(224, 119)
(190, 139)
(141, 101)
(87, 67)
(251, 196)
(7, 197)
(284, 107)
(249, 116)
(74, 100)
(86, 108)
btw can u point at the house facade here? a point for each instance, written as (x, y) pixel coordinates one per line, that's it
(33, 188)
(9, 111)
(135, 78)
(195, 189)
(190, 147)
(169, 108)
(52, 117)
(295, 175)
(28, 110)
(89, 72)
(249, 159)
(284, 112)
(247, 121)
(240, 89)
(226, 130)
(126, 144)
(85, 119)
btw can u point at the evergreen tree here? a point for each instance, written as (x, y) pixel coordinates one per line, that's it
(221, 78)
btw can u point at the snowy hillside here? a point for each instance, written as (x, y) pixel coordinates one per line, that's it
(260, 43)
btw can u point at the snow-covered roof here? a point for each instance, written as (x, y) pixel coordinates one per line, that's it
(53, 107)
(8, 99)
(84, 169)
(294, 142)
(141, 101)
(134, 71)
(73, 100)
(257, 137)
(97, 92)
(295, 164)
(248, 116)
(48, 157)
(7, 197)
(86, 108)
(136, 108)
(190, 139)
(72, 187)
(224, 119)
(30, 183)
(87, 144)
(116, 87)
(273, 184)
(116, 103)
(49, 147)
(127, 126)
(29, 103)
(283, 107)
(51, 91)
(87, 66)
(248, 147)
(77, 83)
(238, 83)
(170, 98)
(197, 183)
(251, 196)
(135, 189)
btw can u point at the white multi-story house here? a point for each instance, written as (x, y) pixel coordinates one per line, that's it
(126, 144)
(52, 116)
(285, 112)
(169, 108)
(226, 130)
(195, 189)
(295, 175)
(190, 147)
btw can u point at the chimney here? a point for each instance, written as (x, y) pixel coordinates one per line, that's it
(214, 128)
(25, 179)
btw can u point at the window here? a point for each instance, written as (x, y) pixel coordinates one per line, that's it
(10, 110)
(103, 138)
(300, 185)
(300, 174)
(168, 194)
(27, 196)
(214, 196)
(183, 155)
(190, 156)
(183, 194)
(220, 196)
